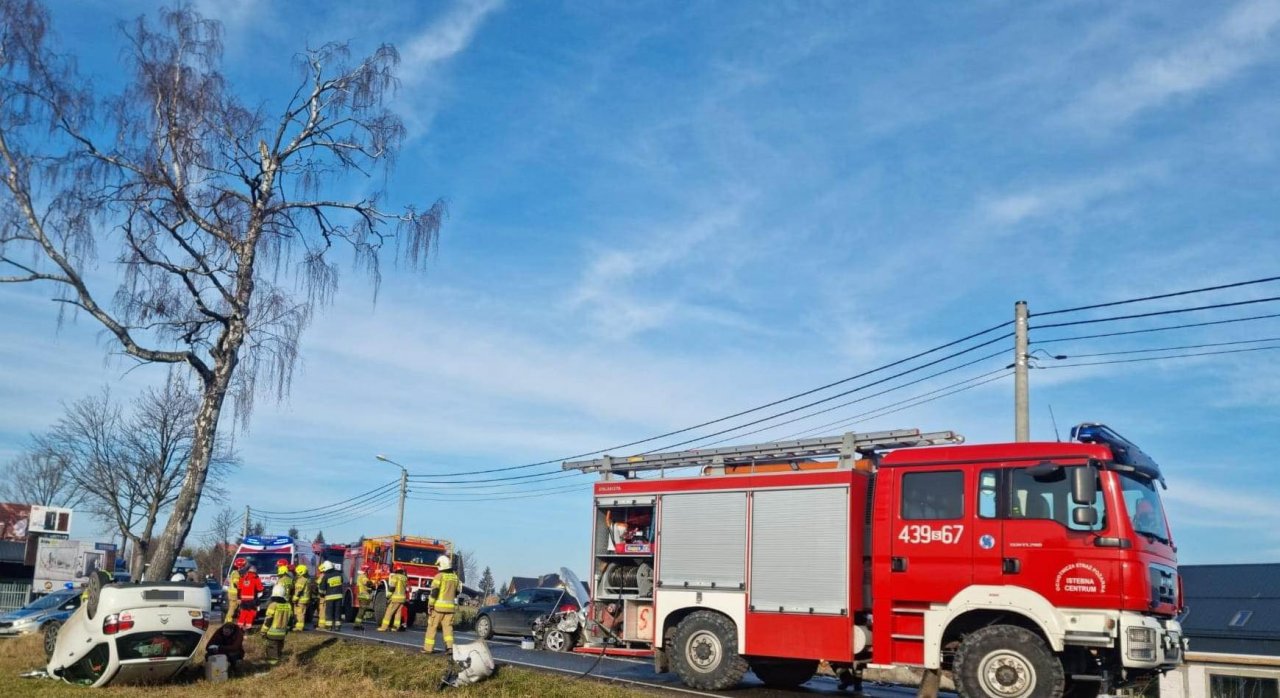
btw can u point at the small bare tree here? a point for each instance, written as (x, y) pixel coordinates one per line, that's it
(130, 468)
(226, 218)
(216, 555)
(39, 477)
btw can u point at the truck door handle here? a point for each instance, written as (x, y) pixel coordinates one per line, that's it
(898, 564)
(1011, 565)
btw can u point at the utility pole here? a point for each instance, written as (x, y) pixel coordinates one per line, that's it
(245, 533)
(1021, 396)
(404, 489)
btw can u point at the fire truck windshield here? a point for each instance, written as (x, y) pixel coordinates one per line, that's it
(1146, 512)
(416, 556)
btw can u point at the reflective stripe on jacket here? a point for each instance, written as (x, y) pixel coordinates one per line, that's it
(444, 591)
(398, 581)
(364, 588)
(332, 585)
(233, 585)
(302, 589)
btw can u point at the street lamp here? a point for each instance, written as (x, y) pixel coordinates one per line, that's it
(404, 488)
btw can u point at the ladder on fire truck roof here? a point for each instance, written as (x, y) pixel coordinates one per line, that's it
(847, 446)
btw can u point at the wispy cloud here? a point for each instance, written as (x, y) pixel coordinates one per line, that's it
(1062, 197)
(1242, 39)
(443, 38)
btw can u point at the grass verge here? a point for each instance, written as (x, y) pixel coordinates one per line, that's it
(315, 666)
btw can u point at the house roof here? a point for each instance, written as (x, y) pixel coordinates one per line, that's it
(1232, 608)
(521, 583)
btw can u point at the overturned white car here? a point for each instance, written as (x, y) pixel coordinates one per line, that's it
(131, 633)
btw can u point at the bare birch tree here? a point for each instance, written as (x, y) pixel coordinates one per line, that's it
(130, 466)
(225, 218)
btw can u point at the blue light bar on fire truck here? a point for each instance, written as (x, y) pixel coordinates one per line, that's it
(1123, 451)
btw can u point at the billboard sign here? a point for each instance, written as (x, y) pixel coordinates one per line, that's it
(15, 519)
(50, 520)
(59, 562)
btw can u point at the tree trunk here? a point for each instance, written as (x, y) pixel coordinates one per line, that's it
(164, 551)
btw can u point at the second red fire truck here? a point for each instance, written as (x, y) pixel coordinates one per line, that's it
(416, 554)
(1027, 570)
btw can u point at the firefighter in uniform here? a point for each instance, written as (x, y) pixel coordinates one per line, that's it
(233, 589)
(276, 624)
(331, 587)
(396, 584)
(442, 602)
(301, 597)
(364, 597)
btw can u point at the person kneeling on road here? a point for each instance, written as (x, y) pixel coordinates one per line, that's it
(442, 601)
(227, 641)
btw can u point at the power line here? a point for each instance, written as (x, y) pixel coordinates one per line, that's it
(389, 485)
(338, 518)
(532, 477)
(884, 411)
(452, 485)
(872, 384)
(1185, 346)
(531, 494)
(1155, 313)
(1157, 329)
(1160, 358)
(380, 494)
(865, 398)
(760, 407)
(1175, 294)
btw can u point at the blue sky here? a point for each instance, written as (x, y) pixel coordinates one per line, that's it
(667, 212)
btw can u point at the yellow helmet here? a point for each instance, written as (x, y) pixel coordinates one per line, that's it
(300, 569)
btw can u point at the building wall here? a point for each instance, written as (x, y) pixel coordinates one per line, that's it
(1195, 678)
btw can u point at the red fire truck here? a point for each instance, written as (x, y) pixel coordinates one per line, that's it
(417, 555)
(1027, 570)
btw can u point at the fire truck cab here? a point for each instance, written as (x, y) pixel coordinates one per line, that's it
(418, 555)
(1027, 570)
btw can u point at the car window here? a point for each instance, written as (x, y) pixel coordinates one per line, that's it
(520, 598)
(90, 667)
(152, 645)
(546, 596)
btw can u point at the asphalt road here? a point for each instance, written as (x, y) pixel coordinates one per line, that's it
(636, 672)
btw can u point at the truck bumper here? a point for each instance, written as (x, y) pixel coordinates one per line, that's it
(1147, 642)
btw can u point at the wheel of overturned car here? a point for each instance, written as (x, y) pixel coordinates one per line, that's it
(51, 637)
(783, 673)
(557, 640)
(705, 652)
(484, 628)
(94, 588)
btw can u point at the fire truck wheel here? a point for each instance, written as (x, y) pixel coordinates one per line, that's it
(705, 654)
(1006, 661)
(379, 605)
(784, 673)
(484, 628)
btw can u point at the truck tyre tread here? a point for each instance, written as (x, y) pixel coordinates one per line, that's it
(1019, 642)
(728, 671)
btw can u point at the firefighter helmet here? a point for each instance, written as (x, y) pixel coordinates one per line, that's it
(443, 563)
(239, 563)
(282, 563)
(398, 568)
(300, 569)
(326, 566)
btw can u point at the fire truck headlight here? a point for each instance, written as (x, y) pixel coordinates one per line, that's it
(1142, 643)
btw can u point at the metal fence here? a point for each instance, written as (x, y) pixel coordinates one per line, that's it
(14, 595)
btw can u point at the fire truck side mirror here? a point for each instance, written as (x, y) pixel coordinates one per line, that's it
(1085, 517)
(1084, 486)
